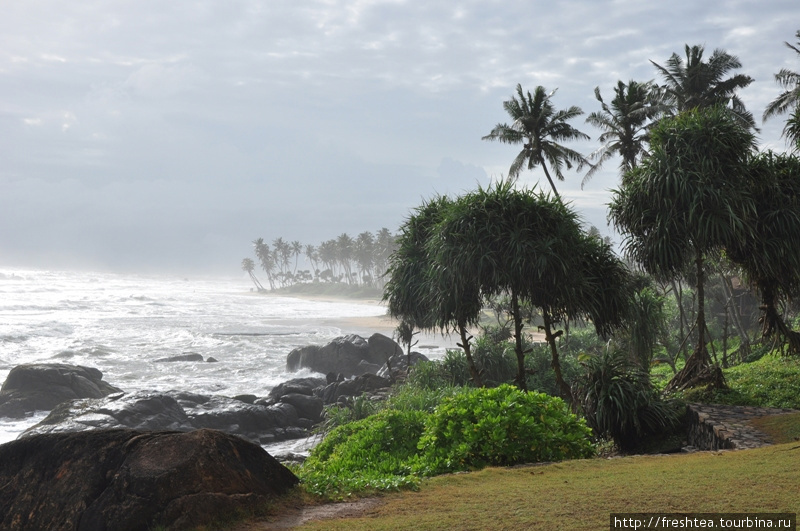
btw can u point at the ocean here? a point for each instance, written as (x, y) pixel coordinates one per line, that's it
(121, 324)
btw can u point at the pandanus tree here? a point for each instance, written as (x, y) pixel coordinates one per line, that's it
(624, 121)
(788, 100)
(421, 293)
(531, 248)
(687, 199)
(692, 83)
(540, 128)
(770, 255)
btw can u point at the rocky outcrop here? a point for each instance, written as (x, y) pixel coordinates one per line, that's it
(41, 387)
(180, 411)
(125, 480)
(189, 356)
(350, 355)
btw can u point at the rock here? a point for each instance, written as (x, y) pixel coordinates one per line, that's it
(191, 356)
(42, 386)
(212, 359)
(303, 386)
(350, 355)
(366, 383)
(307, 407)
(398, 365)
(126, 480)
(175, 411)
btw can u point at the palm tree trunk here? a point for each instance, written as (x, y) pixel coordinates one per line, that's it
(566, 392)
(547, 174)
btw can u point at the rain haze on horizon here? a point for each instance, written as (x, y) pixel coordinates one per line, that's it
(167, 137)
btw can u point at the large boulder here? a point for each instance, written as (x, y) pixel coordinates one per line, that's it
(350, 355)
(42, 386)
(178, 411)
(126, 480)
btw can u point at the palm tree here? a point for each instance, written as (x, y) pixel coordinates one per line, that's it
(789, 80)
(788, 100)
(248, 265)
(266, 258)
(624, 123)
(297, 250)
(694, 84)
(687, 199)
(539, 128)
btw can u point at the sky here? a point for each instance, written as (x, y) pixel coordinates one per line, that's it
(167, 136)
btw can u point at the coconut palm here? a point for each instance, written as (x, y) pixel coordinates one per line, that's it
(789, 99)
(540, 129)
(694, 83)
(624, 123)
(266, 258)
(687, 199)
(249, 266)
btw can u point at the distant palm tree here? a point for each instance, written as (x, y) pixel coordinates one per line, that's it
(788, 100)
(297, 250)
(539, 128)
(625, 122)
(694, 83)
(249, 266)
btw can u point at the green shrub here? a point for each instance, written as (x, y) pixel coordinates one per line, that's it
(429, 375)
(455, 363)
(541, 377)
(620, 402)
(409, 397)
(500, 426)
(495, 358)
(357, 408)
(369, 454)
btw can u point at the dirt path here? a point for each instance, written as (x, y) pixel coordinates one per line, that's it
(296, 517)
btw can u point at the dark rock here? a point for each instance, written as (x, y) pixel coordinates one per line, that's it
(212, 359)
(176, 411)
(192, 356)
(247, 399)
(398, 364)
(308, 407)
(41, 387)
(125, 480)
(366, 383)
(349, 355)
(303, 386)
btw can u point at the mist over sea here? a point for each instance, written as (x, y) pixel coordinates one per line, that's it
(121, 324)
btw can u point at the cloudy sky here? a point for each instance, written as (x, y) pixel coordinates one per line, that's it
(151, 135)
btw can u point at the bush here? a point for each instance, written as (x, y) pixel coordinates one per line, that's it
(500, 426)
(369, 454)
(541, 377)
(619, 400)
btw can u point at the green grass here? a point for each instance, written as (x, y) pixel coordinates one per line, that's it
(772, 381)
(580, 495)
(782, 428)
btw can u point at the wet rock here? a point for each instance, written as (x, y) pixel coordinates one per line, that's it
(307, 407)
(42, 386)
(127, 480)
(350, 355)
(303, 386)
(398, 365)
(366, 383)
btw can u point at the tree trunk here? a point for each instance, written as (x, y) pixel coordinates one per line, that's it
(547, 174)
(698, 369)
(518, 347)
(773, 324)
(473, 370)
(566, 392)
(744, 339)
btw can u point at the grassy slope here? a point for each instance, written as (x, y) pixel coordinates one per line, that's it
(580, 495)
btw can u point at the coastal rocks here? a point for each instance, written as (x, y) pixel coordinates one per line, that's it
(127, 480)
(42, 386)
(180, 411)
(190, 356)
(349, 356)
(366, 383)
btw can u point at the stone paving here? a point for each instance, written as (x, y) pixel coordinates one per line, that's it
(716, 427)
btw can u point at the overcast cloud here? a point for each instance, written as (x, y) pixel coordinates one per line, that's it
(169, 135)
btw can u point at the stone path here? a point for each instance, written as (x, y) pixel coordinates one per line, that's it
(716, 427)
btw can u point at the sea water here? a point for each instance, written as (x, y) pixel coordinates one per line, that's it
(122, 324)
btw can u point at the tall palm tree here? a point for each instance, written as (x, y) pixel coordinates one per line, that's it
(624, 123)
(539, 127)
(693, 83)
(248, 266)
(788, 100)
(789, 80)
